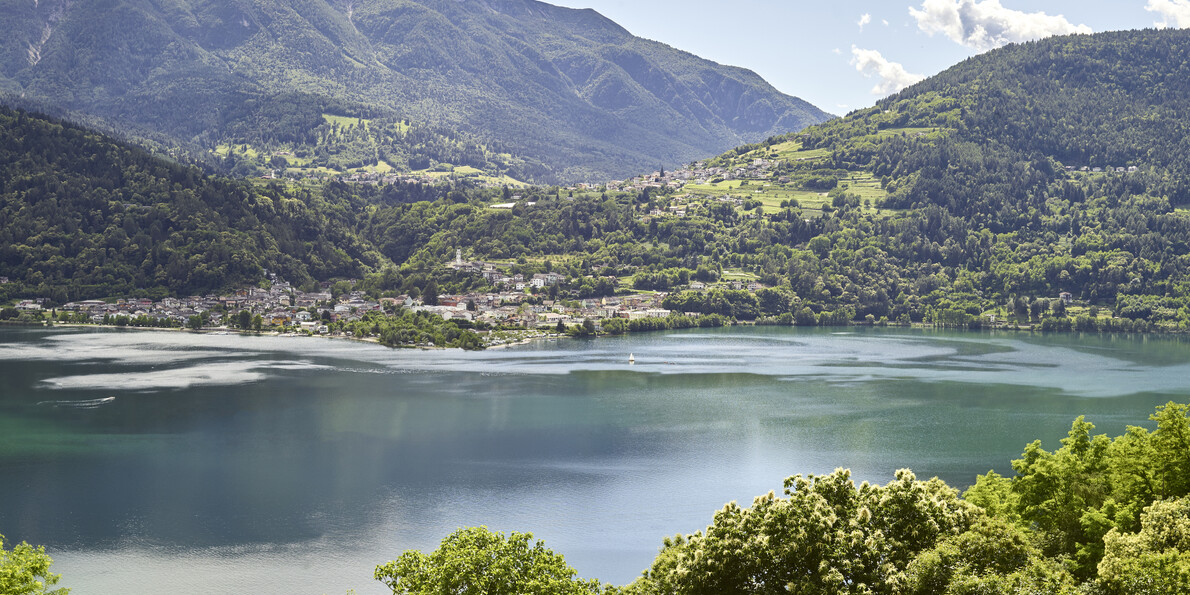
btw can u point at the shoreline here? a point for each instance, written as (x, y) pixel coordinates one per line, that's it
(1030, 329)
(278, 334)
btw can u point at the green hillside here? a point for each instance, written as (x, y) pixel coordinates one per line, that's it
(564, 88)
(1039, 168)
(909, 211)
(85, 216)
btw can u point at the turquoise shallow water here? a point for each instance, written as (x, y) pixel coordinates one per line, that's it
(291, 465)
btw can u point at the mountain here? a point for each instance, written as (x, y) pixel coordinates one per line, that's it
(565, 87)
(989, 190)
(1117, 98)
(929, 207)
(84, 215)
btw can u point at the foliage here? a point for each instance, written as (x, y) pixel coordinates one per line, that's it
(25, 570)
(990, 557)
(477, 561)
(84, 216)
(825, 536)
(1098, 516)
(1153, 561)
(409, 328)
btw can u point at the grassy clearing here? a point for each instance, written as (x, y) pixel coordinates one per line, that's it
(715, 189)
(1075, 311)
(865, 185)
(238, 149)
(771, 195)
(737, 275)
(788, 150)
(381, 167)
(504, 180)
(320, 170)
(907, 131)
(791, 150)
(345, 121)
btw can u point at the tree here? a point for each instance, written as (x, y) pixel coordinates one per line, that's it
(257, 323)
(477, 561)
(991, 557)
(615, 326)
(1055, 491)
(1155, 561)
(25, 570)
(1058, 307)
(826, 536)
(429, 295)
(244, 319)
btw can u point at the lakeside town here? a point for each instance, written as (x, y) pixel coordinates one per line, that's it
(518, 308)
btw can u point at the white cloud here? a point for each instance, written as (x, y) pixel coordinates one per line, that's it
(1177, 11)
(986, 24)
(893, 76)
(864, 19)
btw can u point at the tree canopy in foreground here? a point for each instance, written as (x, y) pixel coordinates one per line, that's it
(1097, 516)
(25, 570)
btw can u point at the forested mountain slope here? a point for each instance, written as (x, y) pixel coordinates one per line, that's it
(566, 87)
(919, 209)
(1116, 98)
(83, 216)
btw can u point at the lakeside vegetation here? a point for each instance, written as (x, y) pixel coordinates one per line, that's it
(25, 570)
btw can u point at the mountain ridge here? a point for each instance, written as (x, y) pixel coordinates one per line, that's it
(569, 87)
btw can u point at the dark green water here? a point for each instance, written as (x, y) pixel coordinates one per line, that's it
(287, 465)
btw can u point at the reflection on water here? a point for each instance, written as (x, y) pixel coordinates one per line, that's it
(151, 461)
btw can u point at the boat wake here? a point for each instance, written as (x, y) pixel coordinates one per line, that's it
(78, 404)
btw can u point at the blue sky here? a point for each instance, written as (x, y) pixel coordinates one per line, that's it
(845, 54)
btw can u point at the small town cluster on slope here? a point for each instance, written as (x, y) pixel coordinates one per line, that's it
(282, 307)
(376, 179)
(696, 173)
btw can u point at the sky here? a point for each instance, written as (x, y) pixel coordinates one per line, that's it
(843, 55)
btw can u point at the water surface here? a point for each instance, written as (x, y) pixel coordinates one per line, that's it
(229, 463)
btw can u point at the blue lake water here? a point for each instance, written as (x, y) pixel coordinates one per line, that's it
(229, 463)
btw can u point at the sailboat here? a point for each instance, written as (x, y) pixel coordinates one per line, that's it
(631, 359)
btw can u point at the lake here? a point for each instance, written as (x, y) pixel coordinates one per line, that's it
(229, 463)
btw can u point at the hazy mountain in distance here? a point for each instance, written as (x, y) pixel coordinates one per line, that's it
(566, 87)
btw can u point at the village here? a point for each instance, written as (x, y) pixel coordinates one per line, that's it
(517, 302)
(695, 173)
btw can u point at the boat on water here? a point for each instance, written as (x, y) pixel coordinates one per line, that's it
(631, 359)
